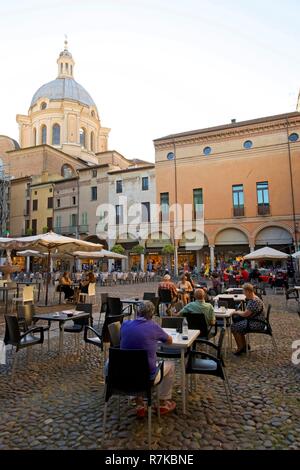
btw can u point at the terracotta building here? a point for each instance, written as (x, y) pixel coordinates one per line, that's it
(246, 175)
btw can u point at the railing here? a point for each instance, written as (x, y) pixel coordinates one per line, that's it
(238, 211)
(263, 209)
(71, 229)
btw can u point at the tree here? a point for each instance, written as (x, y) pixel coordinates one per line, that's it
(118, 249)
(45, 229)
(168, 250)
(138, 249)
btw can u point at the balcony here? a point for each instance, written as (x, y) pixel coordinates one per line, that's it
(238, 211)
(263, 209)
(83, 228)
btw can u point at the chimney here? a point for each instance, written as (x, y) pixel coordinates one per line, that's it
(233, 121)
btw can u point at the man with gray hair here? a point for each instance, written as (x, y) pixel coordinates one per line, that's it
(200, 306)
(144, 333)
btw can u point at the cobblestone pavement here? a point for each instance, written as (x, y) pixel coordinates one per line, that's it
(53, 406)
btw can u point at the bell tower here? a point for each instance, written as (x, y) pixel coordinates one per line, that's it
(65, 62)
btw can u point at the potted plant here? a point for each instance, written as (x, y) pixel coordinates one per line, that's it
(118, 249)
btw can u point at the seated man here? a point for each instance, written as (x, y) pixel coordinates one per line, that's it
(167, 284)
(144, 333)
(200, 306)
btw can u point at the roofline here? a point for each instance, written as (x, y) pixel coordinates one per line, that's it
(112, 151)
(52, 148)
(128, 170)
(232, 125)
(20, 179)
(103, 165)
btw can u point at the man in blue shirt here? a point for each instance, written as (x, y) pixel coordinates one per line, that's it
(144, 333)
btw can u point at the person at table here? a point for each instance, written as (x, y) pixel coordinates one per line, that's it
(84, 285)
(254, 315)
(167, 284)
(200, 306)
(65, 283)
(186, 288)
(144, 333)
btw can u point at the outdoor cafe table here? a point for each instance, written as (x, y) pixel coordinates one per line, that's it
(226, 316)
(62, 318)
(238, 290)
(182, 344)
(236, 297)
(5, 290)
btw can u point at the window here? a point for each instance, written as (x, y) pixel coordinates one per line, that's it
(238, 200)
(35, 193)
(94, 173)
(49, 223)
(145, 183)
(93, 113)
(263, 204)
(119, 187)
(43, 135)
(73, 221)
(67, 171)
(34, 226)
(207, 150)
(145, 211)
(56, 134)
(293, 137)
(248, 144)
(50, 190)
(82, 137)
(94, 193)
(73, 200)
(198, 203)
(119, 215)
(58, 202)
(43, 105)
(71, 69)
(58, 224)
(84, 218)
(67, 67)
(35, 204)
(171, 156)
(164, 206)
(61, 67)
(92, 141)
(50, 202)
(34, 136)
(27, 206)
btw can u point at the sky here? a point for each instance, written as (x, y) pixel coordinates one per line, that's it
(154, 67)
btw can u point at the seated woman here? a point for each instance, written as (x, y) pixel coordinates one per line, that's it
(65, 286)
(254, 311)
(84, 285)
(185, 287)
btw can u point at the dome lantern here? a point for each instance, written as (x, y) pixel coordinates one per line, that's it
(65, 62)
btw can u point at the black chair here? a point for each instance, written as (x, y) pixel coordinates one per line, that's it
(165, 297)
(196, 321)
(14, 337)
(265, 329)
(231, 303)
(203, 363)
(100, 338)
(149, 295)
(291, 294)
(128, 375)
(25, 315)
(115, 307)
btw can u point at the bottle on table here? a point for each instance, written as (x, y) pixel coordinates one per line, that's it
(185, 329)
(216, 305)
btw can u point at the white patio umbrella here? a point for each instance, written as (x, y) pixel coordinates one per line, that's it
(266, 253)
(29, 253)
(296, 255)
(99, 254)
(48, 243)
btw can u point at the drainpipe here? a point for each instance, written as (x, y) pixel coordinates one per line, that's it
(292, 187)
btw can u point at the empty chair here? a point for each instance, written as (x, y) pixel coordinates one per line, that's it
(115, 307)
(128, 374)
(25, 315)
(27, 295)
(90, 293)
(197, 321)
(14, 337)
(291, 294)
(200, 362)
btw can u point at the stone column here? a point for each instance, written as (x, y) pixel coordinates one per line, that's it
(198, 259)
(28, 264)
(212, 257)
(252, 262)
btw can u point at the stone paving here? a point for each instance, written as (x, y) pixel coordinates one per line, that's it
(54, 406)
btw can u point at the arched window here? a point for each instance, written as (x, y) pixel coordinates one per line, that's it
(82, 137)
(71, 69)
(67, 67)
(34, 136)
(61, 67)
(43, 105)
(92, 141)
(67, 171)
(43, 135)
(56, 134)
(93, 113)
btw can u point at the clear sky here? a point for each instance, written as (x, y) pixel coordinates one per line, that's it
(154, 67)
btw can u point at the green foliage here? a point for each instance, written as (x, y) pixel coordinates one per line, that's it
(45, 229)
(118, 249)
(168, 249)
(138, 249)
(28, 232)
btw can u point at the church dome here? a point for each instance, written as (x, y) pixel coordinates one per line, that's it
(63, 88)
